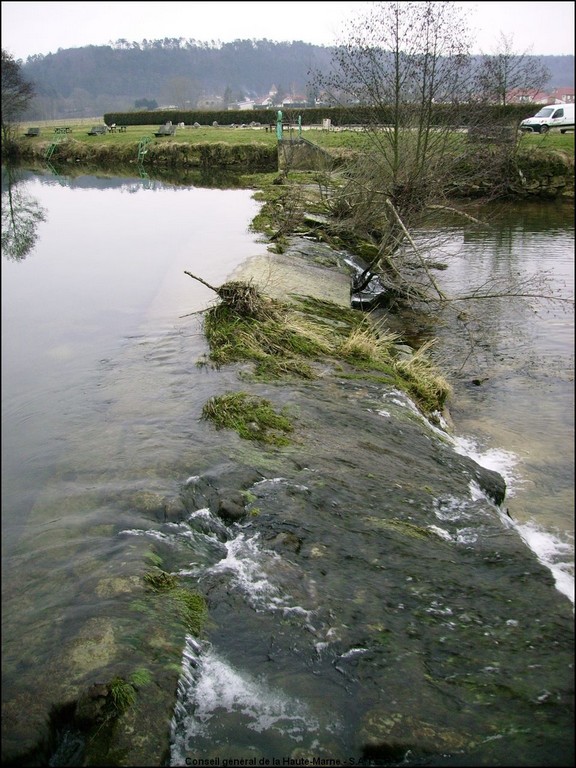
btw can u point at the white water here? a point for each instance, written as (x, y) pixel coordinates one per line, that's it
(552, 551)
(218, 693)
(555, 554)
(511, 363)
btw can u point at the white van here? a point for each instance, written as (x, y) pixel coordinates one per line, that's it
(553, 116)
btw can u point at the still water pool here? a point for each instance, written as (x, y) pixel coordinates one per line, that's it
(105, 274)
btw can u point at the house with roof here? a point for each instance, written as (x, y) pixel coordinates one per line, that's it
(265, 102)
(562, 95)
(527, 96)
(295, 101)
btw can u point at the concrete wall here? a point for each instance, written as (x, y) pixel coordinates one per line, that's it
(300, 154)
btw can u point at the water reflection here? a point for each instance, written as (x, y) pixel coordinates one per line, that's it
(145, 177)
(108, 267)
(21, 214)
(62, 180)
(206, 177)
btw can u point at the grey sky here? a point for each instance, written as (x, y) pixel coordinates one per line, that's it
(42, 27)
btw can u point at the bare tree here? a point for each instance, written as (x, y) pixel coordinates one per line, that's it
(16, 94)
(405, 71)
(183, 92)
(21, 214)
(405, 65)
(507, 72)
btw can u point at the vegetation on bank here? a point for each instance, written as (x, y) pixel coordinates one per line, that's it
(289, 339)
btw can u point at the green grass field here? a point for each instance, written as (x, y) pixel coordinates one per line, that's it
(333, 138)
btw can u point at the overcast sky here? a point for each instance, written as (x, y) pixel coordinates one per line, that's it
(42, 27)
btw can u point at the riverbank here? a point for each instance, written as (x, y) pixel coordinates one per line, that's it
(542, 170)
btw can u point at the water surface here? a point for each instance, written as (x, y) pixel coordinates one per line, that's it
(511, 361)
(103, 437)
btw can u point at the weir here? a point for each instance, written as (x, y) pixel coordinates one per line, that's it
(371, 600)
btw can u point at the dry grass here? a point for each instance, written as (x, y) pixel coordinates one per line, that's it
(284, 339)
(366, 343)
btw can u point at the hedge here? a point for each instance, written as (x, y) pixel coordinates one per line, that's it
(442, 114)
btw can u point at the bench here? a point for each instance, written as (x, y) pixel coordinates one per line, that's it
(98, 130)
(32, 132)
(166, 130)
(63, 129)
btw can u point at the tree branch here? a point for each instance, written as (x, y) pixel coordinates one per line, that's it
(201, 281)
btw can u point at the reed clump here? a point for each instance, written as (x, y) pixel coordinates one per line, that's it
(293, 338)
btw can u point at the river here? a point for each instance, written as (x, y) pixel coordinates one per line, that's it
(511, 361)
(102, 440)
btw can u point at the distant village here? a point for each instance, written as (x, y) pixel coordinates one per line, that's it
(271, 100)
(555, 96)
(563, 95)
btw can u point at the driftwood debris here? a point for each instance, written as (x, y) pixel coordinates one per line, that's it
(242, 298)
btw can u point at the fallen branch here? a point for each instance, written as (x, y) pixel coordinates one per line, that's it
(201, 281)
(415, 248)
(244, 299)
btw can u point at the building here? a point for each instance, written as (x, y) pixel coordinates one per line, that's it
(562, 95)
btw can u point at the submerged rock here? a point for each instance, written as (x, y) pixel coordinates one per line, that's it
(427, 611)
(367, 572)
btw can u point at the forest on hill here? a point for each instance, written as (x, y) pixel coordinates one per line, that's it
(92, 80)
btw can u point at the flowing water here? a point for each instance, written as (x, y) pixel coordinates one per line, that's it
(102, 436)
(511, 362)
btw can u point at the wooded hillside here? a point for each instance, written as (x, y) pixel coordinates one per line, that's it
(89, 81)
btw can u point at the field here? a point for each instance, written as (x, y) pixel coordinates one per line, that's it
(327, 138)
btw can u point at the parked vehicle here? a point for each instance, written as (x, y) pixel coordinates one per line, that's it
(552, 116)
